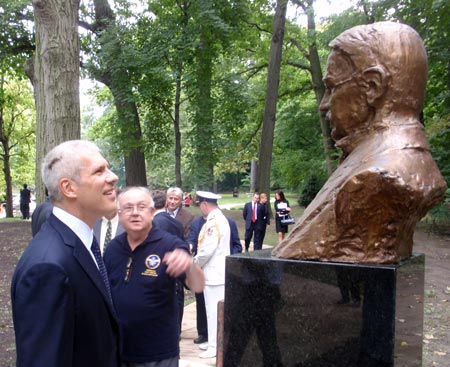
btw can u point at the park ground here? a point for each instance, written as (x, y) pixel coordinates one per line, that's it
(15, 234)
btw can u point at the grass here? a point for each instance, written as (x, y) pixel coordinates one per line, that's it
(236, 205)
(235, 212)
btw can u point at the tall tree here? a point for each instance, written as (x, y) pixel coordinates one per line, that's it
(17, 126)
(168, 41)
(55, 73)
(273, 79)
(312, 55)
(110, 68)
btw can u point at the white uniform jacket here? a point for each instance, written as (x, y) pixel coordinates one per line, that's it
(213, 247)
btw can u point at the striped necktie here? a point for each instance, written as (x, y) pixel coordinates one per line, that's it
(101, 265)
(108, 234)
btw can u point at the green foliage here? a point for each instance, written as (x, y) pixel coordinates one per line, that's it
(310, 189)
(17, 131)
(16, 38)
(297, 145)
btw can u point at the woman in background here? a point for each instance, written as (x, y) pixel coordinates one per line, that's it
(282, 208)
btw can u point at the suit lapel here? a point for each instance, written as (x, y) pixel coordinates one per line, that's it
(84, 258)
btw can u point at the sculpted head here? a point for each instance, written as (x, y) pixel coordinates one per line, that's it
(375, 74)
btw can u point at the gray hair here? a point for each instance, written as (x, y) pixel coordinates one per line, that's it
(139, 188)
(64, 161)
(175, 191)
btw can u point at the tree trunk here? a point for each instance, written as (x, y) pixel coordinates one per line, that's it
(117, 79)
(56, 78)
(318, 87)
(4, 140)
(203, 121)
(273, 80)
(176, 125)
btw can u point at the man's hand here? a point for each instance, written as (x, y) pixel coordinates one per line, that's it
(178, 262)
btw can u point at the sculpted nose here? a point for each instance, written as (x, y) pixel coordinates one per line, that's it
(325, 103)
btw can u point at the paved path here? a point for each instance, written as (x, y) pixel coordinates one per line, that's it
(188, 350)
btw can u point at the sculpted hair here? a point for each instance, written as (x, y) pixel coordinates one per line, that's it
(64, 161)
(398, 50)
(139, 188)
(175, 191)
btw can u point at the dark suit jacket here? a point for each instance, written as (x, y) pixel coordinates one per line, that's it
(61, 310)
(260, 215)
(169, 224)
(186, 218)
(40, 216)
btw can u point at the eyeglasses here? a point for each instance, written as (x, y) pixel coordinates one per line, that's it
(129, 209)
(128, 269)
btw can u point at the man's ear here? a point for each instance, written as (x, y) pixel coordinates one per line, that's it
(376, 79)
(68, 188)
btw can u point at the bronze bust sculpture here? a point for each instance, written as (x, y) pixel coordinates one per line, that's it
(387, 179)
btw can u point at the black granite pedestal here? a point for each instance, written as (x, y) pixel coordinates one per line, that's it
(320, 314)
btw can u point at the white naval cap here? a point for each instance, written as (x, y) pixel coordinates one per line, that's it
(207, 196)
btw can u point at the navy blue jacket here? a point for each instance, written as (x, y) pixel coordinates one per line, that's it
(61, 309)
(196, 226)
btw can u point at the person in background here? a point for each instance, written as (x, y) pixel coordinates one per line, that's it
(192, 240)
(143, 264)
(263, 200)
(187, 200)
(255, 223)
(282, 208)
(41, 214)
(166, 222)
(25, 200)
(108, 227)
(61, 302)
(176, 210)
(213, 247)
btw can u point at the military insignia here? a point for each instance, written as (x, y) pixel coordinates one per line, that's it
(152, 262)
(210, 231)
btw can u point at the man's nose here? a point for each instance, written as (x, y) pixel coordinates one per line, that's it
(112, 177)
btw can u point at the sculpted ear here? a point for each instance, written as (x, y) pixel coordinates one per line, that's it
(377, 80)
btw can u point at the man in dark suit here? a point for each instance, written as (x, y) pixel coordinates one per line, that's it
(25, 199)
(255, 222)
(41, 214)
(164, 220)
(168, 223)
(62, 309)
(108, 227)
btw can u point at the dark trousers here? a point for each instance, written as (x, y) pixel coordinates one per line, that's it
(180, 301)
(25, 210)
(202, 323)
(257, 235)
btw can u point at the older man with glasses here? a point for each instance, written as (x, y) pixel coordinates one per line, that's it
(143, 265)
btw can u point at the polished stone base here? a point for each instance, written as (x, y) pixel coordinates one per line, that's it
(320, 314)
